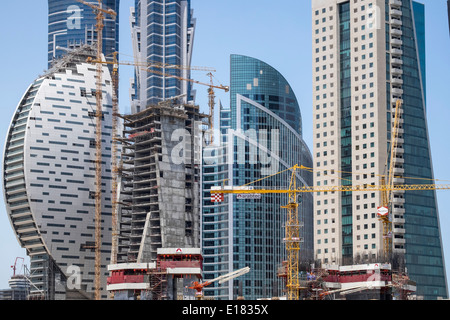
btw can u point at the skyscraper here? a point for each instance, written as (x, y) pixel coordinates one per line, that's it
(367, 55)
(71, 24)
(260, 135)
(448, 13)
(49, 176)
(163, 35)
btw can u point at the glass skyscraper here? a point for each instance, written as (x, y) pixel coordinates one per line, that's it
(71, 24)
(163, 35)
(367, 56)
(260, 135)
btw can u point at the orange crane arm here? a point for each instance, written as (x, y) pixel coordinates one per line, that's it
(199, 286)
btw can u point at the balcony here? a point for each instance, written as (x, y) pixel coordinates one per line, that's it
(398, 210)
(395, 3)
(398, 171)
(397, 91)
(396, 13)
(398, 180)
(398, 220)
(398, 150)
(397, 32)
(396, 61)
(395, 51)
(398, 81)
(397, 42)
(398, 200)
(398, 230)
(396, 22)
(396, 70)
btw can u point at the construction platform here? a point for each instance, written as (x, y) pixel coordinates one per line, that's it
(166, 279)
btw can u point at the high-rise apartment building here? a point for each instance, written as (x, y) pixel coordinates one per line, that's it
(49, 176)
(367, 55)
(162, 35)
(71, 24)
(260, 135)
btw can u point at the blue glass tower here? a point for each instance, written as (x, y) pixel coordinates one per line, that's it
(260, 136)
(162, 34)
(423, 244)
(72, 24)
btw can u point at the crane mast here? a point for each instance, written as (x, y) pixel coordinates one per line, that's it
(100, 16)
(115, 169)
(386, 195)
(292, 241)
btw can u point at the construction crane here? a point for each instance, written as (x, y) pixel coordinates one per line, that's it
(386, 195)
(292, 236)
(292, 241)
(211, 104)
(100, 16)
(14, 266)
(115, 168)
(156, 64)
(146, 66)
(223, 278)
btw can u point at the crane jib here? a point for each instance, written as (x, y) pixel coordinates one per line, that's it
(411, 187)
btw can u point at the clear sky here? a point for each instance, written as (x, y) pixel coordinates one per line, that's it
(276, 32)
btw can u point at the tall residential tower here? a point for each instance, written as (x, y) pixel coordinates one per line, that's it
(367, 55)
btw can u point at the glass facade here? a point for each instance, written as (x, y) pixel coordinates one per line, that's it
(424, 257)
(346, 129)
(72, 24)
(163, 32)
(261, 136)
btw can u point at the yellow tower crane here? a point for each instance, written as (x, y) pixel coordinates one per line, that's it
(292, 237)
(386, 195)
(146, 66)
(100, 16)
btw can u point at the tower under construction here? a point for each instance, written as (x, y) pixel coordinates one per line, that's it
(160, 185)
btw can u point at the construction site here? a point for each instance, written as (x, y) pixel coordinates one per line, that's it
(156, 217)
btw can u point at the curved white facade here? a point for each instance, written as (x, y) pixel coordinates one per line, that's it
(49, 172)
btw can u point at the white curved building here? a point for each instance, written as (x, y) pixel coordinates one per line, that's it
(49, 175)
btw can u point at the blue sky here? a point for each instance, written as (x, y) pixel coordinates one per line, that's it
(279, 35)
